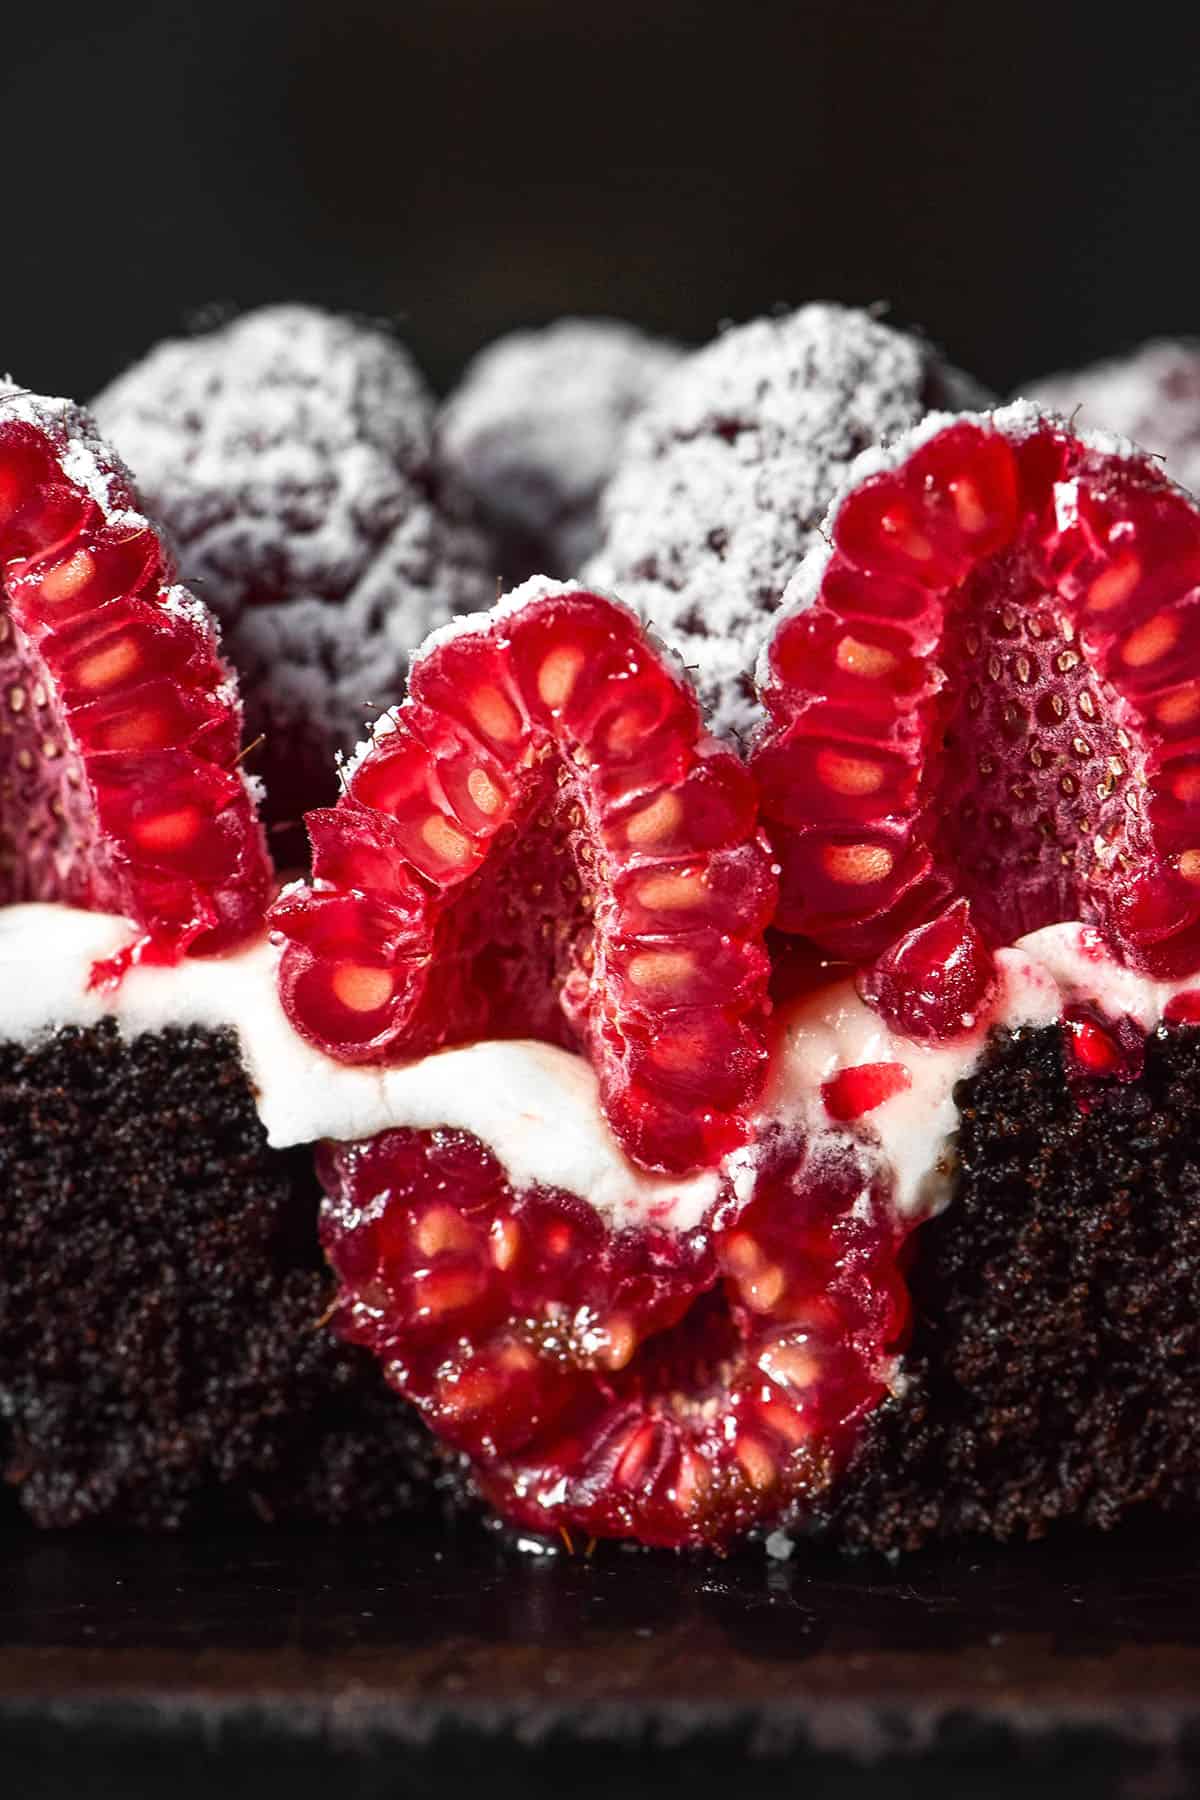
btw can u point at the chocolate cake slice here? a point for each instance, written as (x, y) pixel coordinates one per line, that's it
(162, 1357)
(1054, 1369)
(161, 1292)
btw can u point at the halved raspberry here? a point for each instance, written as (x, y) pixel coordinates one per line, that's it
(677, 1388)
(119, 723)
(542, 843)
(988, 691)
(1152, 396)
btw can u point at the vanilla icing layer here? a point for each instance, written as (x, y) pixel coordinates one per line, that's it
(535, 1106)
(910, 1136)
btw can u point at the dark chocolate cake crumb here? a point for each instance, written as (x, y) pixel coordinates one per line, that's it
(1054, 1372)
(162, 1360)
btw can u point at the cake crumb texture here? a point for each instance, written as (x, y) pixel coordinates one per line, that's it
(1054, 1372)
(161, 1297)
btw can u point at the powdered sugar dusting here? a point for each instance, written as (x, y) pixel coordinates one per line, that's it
(1151, 396)
(290, 455)
(538, 587)
(84, 458)
(1018, 420)
(537, 424)
(726, 477)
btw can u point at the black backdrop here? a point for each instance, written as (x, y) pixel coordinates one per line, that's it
(1018, 178)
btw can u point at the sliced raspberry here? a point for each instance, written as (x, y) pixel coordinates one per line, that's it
(988, 693)
(290, 455)
(725, 478)
(541, 843)
(673, 1388)
(535, 429)
(1151, 396)
(119, 723)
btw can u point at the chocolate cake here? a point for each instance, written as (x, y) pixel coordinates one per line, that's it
(162, 1360)
(710, 1139)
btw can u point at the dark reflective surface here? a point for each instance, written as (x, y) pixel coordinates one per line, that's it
(393, 1664)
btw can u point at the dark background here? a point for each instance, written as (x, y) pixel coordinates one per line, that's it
(1020, 179)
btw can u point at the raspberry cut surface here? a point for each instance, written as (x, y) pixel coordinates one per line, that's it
(541, 842)
(674, 1388)
(990, 695)
(119, 723)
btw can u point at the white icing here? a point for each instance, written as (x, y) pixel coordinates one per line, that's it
(911, 1135)
(535, 1106)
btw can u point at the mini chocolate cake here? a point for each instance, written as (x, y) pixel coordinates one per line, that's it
(161, 1353)
(671, 1229)
(1053, 1369)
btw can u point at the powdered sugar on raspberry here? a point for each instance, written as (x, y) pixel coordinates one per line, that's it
(83, 457)
(1016, 421)
(1151, 396)
(290, 455)
(538, 587)
(536, 426)
(726, 477)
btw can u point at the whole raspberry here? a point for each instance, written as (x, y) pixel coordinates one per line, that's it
(726, 476)
(1151, 396)
(535, 429)
(289, 454)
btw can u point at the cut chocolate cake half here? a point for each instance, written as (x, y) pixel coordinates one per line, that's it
(1053, 1372)
(162, 1357)
(978, 780)
(161, 1291)
(708, 1144)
